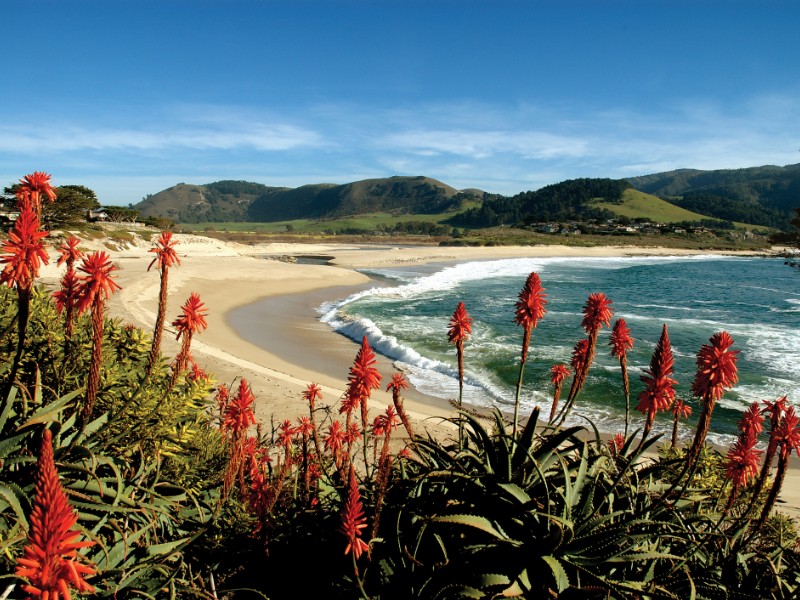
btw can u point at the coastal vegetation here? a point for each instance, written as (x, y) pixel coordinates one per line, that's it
(127, 474)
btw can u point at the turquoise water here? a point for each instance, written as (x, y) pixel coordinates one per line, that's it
(757, 300)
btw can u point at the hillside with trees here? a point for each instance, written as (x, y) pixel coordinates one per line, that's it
(212, 202)
(732, 210)
(758, 196)
(569, 200)
(400, 195)
(243, 201)
(768, 187)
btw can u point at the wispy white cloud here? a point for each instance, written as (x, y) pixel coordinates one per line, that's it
(192, 132)
(503, 148)
(483, 144)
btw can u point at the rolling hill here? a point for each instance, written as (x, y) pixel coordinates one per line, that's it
(399, 195)
(212, 202)
(760, 196)
(768, 187)
(637, 205)
(243, 201)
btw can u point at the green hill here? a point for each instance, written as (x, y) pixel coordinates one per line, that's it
(226, 201)
(762, 195)
(398, 195)
(638, 205)
(212, 202)
(759, 196)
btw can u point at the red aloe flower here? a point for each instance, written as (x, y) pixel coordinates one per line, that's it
(680, 410)
(580, 356)
(558, 373)
(621, 340)
(397, 383)
(457, 333)
(716, 372)
(97, 284)
(239, 413)
(350, 401)
(51, 562)
(164, 249)
(65, 299)
(353, 434)
(743, 458)
(196, 373)
(191, 320)
(529, 309)
(775, 410)
(659, 392)
(384, 423)
(353, 519)
(166, 257)
(788, 432)
(616, 443)
(460, 327)
(787, 437)
(363, 378)
(25, 251)
(752, 421)
(95, 287)
(286, 433)
(596, 313)
(742, 462)
(68, 252)
(335, 440)
(716, 367)
(312, 394)
(304, 426)
(30, 189)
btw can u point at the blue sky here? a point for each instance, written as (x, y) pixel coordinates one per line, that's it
(131, 97)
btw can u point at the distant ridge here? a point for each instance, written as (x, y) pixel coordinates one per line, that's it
(762, 196)
(769, 186)
(244, 201)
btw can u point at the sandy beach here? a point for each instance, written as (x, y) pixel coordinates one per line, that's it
(231, 276)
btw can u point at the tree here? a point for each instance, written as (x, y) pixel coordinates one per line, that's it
(71, 204)
(121, 214)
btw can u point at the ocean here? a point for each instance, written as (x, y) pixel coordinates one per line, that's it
(757, 300)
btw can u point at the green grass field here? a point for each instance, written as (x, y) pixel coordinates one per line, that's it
(636, 205)
(367, 222)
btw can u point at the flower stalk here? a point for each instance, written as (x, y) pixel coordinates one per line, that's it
(458, 332)
(166, 257)
(529, 309)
